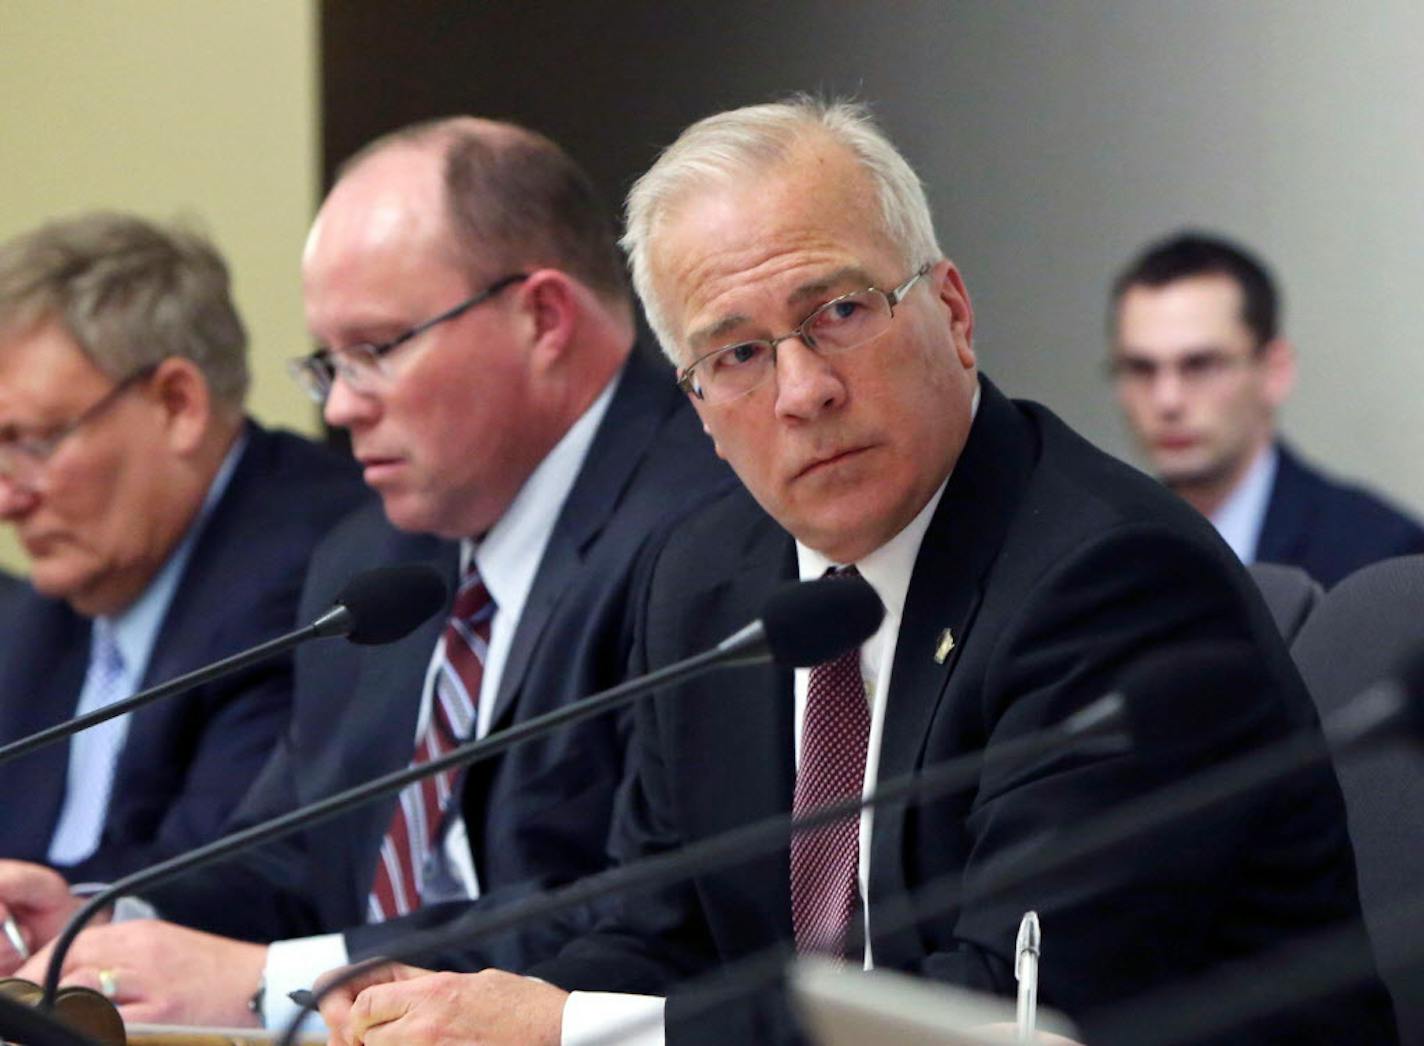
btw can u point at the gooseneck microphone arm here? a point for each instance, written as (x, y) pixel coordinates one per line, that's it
(389, 784)
(846, 619)
(377, 606)
(236, 663)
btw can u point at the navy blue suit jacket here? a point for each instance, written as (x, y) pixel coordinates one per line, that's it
(1329, 529)
(188, 760)
(538, 816)
(1055, 567)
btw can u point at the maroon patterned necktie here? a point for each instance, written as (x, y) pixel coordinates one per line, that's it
(825, 862)
(415, 825)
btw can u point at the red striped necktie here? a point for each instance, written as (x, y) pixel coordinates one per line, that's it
(415, 826)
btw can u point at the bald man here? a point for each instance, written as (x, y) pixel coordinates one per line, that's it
(477, 342)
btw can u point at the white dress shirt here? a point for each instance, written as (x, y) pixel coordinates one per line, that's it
(94, 753)
(508, 559)
(1241, 516)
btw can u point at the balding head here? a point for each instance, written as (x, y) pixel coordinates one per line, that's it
(512, 200)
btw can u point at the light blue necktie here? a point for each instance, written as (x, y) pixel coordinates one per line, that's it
(93, 753)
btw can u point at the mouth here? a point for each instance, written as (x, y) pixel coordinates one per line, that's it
(375, 468)
(1175, 443)
(829, 461)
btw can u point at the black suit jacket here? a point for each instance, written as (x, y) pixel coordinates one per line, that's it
(188, 760)
(1055, 567)
(1329, 529)
(538, 816)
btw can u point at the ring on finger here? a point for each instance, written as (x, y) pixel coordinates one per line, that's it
(108, 983)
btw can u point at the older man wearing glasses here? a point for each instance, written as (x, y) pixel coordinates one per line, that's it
(477, 342)
(164, 530)
(786, 258)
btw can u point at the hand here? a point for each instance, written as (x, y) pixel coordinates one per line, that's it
(163, 973)
(39, 901)
(403, 1004)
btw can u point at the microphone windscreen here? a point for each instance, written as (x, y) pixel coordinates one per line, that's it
(1194, 693)
(810, 622)
(388, 603)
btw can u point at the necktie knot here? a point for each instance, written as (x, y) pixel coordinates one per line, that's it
(472, 601)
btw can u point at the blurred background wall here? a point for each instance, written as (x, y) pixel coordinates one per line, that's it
(1055, 139)
(189, 109)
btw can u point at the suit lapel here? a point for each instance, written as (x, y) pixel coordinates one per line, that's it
(740, 725)
(640, 402)
(958, 550)
(1286, 529)
(383, 694)
(41, 674)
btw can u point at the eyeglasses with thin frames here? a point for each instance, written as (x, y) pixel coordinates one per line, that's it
(363, 366)
(23, 458)
(843, 323)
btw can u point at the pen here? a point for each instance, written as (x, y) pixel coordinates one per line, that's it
(301, 997)
(16, 938)
(1026, 950)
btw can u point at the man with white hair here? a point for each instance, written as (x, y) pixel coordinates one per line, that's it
(788, 264)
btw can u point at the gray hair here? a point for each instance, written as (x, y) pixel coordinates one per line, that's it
(747, 141)
(131, 293)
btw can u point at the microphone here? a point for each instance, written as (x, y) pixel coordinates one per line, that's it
(842, 612)
(378, 606)
(1157, 681)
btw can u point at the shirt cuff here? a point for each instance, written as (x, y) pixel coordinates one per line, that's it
(607, 1017)
(295, 964)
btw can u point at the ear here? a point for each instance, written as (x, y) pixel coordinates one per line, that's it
(180, 391)
(701, 408)
(954, 296)
(552, 303)
(1278, 371)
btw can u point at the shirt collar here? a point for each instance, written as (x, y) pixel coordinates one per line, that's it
(508, 556)
(135, 628)
(1240, 517)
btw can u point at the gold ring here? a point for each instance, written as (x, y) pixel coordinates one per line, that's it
(108, 984)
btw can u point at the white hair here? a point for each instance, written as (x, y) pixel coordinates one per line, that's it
(748, 141)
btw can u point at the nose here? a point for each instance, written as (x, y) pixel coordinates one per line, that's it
(1168, 391)
(346, 408)
(806, 383)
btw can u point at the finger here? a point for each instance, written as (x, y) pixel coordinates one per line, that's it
(376, 1005)
(336, 1011)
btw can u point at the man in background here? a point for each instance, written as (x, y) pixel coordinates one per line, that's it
(477, 339)
(164, 530)
(1201, 371)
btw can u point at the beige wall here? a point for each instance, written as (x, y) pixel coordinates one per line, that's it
(199, 109)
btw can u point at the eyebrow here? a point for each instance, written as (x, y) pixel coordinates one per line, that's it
(819, 288)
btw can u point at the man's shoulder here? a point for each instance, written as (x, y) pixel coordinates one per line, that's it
(1347, 506)
(281, 460)
(1079, 489)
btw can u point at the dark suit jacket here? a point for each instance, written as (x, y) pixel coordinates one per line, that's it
(539, 814)
(1329, 529)
(188, 760)
(1055, 566)
(9, 585)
